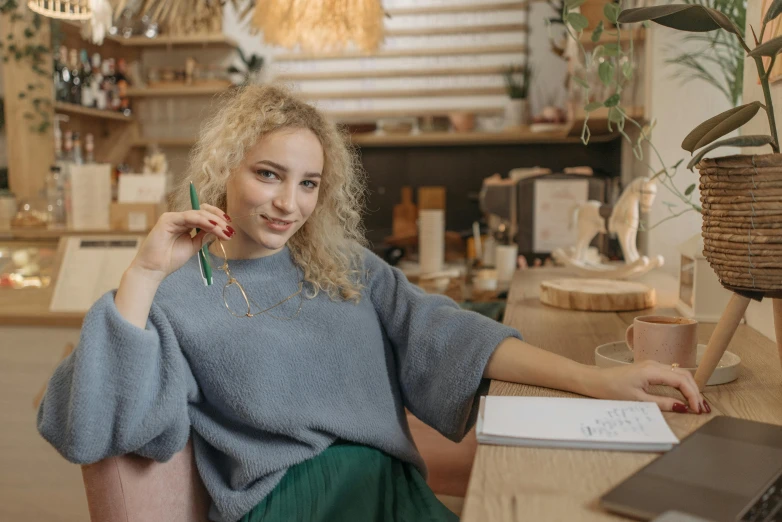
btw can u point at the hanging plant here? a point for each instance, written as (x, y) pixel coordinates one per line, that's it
(23, 50)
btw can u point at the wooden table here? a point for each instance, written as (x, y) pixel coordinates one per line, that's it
(521, 484)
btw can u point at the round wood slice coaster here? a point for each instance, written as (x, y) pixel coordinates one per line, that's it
(597, 295)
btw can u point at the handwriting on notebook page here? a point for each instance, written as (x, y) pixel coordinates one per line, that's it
(619, 421)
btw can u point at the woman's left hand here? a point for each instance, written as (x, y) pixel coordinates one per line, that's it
(632, 382)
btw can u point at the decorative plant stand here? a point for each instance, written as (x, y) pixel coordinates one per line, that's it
(742, 235)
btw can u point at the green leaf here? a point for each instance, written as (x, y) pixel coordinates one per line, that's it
(37, 21)
(612, 101)
(578, 21)
(611, 49)
(589, 107)
(598, 32)
(581, 82)
(572, 4)
(774, 10)
(611, 12)
(689, 190)
(627, 70)
(738, 141)
(615, 115)
(683, 17)
(720, 125)
(770, 48)
(606, 73)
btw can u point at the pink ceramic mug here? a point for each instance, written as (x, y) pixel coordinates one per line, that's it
(664, 339)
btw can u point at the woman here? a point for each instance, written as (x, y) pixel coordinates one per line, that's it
(298, 412)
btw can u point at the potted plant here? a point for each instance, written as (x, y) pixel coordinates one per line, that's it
(252, 68)
(740, 195)
(517, 82)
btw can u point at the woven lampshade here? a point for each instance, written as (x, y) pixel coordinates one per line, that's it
(326, 25)
(62, 9)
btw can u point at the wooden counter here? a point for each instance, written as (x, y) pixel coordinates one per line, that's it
(30, 306)
(514, 483)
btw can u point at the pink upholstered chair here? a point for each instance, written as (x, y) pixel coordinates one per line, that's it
(134, 489)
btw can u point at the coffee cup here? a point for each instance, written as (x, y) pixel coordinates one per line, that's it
(668, 340)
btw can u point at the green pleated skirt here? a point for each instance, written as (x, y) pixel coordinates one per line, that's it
(351, 483)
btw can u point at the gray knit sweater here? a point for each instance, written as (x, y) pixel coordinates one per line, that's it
(259, 395)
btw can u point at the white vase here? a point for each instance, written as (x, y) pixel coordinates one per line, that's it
(515, 112)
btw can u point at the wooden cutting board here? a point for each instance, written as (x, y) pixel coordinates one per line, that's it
(597, 295)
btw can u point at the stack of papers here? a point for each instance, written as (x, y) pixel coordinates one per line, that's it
(573, 423)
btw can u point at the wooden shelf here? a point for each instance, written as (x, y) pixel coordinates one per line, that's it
(72, 108)
(465, 29)
(475, 91)
(210, 40)
(397, 53)
(368, 115)
(598, 120)
(519, 135)
(165, 142)
(45, 234)
(398, 73)
(448, 9)
(637, 35)
(150, 92)
(207, 40)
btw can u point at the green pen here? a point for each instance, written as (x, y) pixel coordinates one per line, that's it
(203, 253)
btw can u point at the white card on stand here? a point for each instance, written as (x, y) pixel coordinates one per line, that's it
(91, 266)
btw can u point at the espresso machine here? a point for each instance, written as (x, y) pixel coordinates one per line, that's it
(509, 205)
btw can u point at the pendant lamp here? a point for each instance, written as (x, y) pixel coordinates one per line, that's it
(320, 25)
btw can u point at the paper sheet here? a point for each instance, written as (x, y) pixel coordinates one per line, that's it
(90, 268)
(561, 419)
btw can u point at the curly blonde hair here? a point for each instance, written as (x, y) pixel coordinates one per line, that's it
(327, 246)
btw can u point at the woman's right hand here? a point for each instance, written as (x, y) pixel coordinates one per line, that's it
(169, 245)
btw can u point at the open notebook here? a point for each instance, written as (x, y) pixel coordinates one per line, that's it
(573, 423)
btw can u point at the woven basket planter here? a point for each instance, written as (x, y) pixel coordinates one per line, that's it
(741, 198)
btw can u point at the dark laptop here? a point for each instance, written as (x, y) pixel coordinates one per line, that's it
(727, 470)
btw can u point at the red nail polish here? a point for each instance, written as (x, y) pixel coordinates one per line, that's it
(228, 233)
(213, 222)
(678, 407)
(227, 218)
(700, 409)
(229, 229)
(706, 405)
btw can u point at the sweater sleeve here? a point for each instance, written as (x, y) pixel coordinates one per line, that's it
(441, 350)
(122, 390)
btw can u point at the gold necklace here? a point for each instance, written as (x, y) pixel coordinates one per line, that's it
(249, 302)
